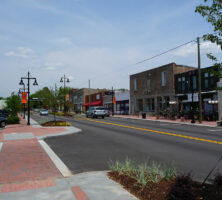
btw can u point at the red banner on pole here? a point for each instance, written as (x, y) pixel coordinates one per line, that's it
(24, 97)
(114, 100)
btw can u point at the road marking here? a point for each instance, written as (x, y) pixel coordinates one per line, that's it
(56, 160)
(215, 130)
(160, 132)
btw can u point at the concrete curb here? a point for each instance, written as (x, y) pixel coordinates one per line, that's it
(71, 130)
(56, 160)
(157, 120)
(1, 144)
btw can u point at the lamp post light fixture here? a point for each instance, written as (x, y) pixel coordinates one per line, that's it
(64, 80)
(28, 84)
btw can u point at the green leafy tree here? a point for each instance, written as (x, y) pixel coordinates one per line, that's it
(13, 104)
(62, 97)
(54, 99)
(211, 10)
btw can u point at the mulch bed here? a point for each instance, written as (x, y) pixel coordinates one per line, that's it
(53, 123)
(180, 188)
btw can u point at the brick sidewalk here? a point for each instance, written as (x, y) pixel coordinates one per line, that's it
(25, 161)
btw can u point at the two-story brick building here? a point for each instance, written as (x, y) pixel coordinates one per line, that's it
(77, 98)
(186, 89)
(152, 90)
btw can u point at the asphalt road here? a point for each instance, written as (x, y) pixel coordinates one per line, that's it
(194, 149)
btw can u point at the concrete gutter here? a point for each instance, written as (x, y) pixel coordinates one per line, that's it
(173, 122)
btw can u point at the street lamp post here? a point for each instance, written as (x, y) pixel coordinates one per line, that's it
(22, 83)
(64, 79)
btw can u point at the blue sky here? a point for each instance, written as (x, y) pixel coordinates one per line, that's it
(98, 40)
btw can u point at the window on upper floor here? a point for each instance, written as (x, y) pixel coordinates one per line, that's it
(179, 84)
(183, 84)
(97, 96)
(148, 84)
(194, 82)
(135, 84)
(163, 78)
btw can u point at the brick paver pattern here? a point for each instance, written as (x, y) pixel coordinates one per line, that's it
(25, 161)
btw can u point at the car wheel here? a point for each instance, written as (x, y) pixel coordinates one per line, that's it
(2, 124)
(103, 117)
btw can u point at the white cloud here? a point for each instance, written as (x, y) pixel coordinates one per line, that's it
(21, 52)
(50, 66)
(192, 49)
(64, 40)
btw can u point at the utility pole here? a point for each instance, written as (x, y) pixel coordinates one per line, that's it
(89, 94)
(112, 103)
(199, 81)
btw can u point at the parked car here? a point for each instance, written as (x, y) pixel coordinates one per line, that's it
(44, 112)
(106, 111)
(4, 113)
(2, 121)
(95, 112)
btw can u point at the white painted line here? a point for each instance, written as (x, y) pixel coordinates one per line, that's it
(1, 144)
(56, 160)
(215, 130)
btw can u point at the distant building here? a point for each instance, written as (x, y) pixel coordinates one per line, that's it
(122, 103)
(95, 99)
(77, 98)
(2, 104)
(152, 90)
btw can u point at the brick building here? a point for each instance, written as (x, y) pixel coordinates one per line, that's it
(152, 90)
(77, 98)
(186, 89)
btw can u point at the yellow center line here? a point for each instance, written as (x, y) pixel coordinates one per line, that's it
(160, 132)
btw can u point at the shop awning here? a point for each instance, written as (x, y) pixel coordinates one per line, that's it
(85, 104)
(96, 103)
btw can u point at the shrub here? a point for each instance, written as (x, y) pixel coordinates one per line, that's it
(13, 120)
(218, 180)
(182, 188)
(143, 173)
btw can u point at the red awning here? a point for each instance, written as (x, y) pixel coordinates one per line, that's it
(96, 103)
(85, 104)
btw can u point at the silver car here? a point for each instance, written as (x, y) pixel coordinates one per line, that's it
(44, 112)
(95, 112)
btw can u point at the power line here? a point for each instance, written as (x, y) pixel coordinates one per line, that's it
(163, 52)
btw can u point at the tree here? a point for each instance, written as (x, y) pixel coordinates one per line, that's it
(54, 99)
(211, 10)
(13, 104)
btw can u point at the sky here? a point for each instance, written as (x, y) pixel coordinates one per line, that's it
(96, 40)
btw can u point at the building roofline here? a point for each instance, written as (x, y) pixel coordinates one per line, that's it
(172, 63)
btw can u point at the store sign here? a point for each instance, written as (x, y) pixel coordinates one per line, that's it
(24, 97)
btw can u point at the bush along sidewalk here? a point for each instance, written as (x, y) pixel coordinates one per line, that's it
(157, 182)
(13, 120)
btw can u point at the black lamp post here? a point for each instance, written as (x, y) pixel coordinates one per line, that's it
(64, 79)
(22, 83)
